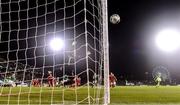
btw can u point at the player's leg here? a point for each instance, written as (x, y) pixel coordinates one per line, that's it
(114, 83)
(157, 85)
(49, 83)
(78, 82)
(37, 83)
(33, 83)
(53, 83)
(111, 83)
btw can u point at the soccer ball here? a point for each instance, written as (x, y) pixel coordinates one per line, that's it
(115, 19)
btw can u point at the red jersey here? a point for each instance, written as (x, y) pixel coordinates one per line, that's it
(77, 81)
(112, 78)
(35, 82)
(51, 81)
(50, 78)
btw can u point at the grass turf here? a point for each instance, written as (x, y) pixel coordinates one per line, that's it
(123, 95)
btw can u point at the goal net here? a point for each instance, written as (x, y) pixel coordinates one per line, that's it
(53, 52)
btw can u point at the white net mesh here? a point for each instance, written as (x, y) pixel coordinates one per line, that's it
(31, 71)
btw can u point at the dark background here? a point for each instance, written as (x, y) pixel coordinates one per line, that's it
(133, 54)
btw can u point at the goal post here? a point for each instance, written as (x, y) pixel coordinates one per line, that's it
(54, 52)
(106, 52)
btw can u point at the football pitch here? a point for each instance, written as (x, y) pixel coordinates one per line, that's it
(121, 95)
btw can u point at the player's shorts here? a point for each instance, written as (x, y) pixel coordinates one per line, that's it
(113, 83)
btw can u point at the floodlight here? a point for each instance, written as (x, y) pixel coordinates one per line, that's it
(56, 44)
(168, 40)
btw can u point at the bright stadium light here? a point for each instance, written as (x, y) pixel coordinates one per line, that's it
(168, 40)
(56, 44)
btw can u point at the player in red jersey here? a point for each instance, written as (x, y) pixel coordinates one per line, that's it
(77, 81)
(35, 83)
(112, 80)
(51, 80)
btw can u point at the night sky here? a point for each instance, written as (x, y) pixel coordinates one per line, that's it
(132, 49)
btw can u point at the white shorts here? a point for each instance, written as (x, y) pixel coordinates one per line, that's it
(113, 83)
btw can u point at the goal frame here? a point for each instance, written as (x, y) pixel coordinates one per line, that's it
(106, 52)
(105, 39)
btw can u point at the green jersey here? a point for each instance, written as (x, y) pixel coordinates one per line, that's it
(65, 77)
